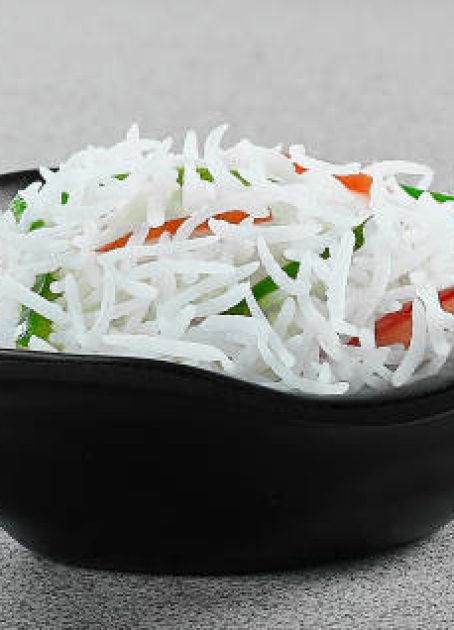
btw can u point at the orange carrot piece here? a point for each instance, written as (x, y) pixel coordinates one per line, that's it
(169, 226)
(358, 182)
(298, 169)
(396, 327)
(119, 242)
(232, 216)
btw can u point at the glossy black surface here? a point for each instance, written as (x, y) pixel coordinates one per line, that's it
(145, 465)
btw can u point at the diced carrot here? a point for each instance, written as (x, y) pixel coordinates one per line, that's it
(232, 216)
(357, 182)
(299, 169)
(169, 226)
(360, 182)
(119, 242)
(396, 327)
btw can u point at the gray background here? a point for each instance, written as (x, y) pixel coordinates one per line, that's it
(352, 80)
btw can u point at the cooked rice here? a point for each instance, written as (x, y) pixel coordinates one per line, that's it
(169, 299)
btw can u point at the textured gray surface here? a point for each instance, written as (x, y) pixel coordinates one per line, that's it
(408, 589)
(353, 80)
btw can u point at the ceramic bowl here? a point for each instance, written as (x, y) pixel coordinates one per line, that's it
(145, 465)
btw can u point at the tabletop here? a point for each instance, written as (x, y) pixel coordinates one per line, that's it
(352, 81)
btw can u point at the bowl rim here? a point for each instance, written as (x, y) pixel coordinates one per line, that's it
(391, 408)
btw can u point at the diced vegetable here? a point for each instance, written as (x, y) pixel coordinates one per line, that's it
(203, 172)
(358, 231)
(206, 176)
(232, 216)
(416, 193)
(33, 323)
(36, 225)
(17, 207)
(238, 176)
(263, 288)
(358, 182)
(395, 328)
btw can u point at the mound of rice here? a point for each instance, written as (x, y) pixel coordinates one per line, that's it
(169, 299)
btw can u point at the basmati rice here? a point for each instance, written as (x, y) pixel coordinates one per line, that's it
(170, 299)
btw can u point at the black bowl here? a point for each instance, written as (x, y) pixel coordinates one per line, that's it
(145, 465)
